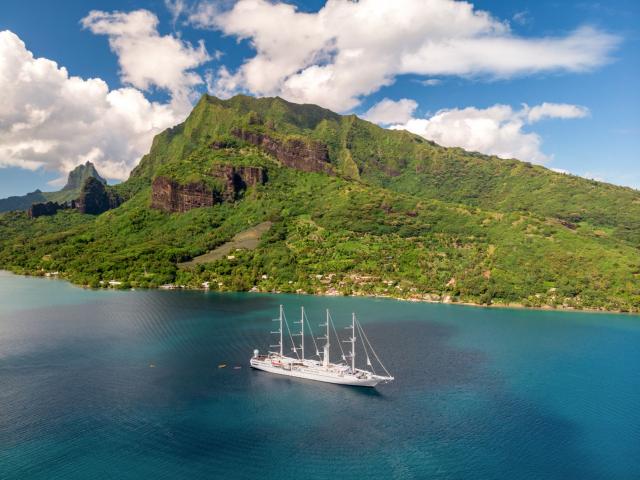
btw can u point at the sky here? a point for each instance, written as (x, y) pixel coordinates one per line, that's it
(549, 82)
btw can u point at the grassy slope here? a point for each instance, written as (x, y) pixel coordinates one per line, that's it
(387, 232)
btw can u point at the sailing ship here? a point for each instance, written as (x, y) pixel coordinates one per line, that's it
(320, 367)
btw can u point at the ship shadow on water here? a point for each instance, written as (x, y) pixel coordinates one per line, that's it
(365, 391)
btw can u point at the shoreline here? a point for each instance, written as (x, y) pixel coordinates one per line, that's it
(513, 306)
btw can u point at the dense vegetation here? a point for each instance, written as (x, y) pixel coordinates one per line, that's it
(402, 217)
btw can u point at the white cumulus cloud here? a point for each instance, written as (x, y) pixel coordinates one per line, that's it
(148, 59)
(389, 111)
(348, 49)
(555, 110)
(497, 130)
(49, 119)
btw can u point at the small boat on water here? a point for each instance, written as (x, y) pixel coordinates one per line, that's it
(320, 367)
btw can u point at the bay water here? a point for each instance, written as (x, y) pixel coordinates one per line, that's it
(131, 384)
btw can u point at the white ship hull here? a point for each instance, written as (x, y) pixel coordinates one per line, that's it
(318, 374)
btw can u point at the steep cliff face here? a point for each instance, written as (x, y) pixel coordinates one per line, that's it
(95, 198)
(307, 156)
(170, 196)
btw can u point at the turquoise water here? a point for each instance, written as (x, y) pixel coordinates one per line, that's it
(127, 385)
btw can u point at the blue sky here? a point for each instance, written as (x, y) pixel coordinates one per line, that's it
(587, 120)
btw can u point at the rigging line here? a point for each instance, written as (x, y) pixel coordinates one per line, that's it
(312, 336)
(366, 353)
(372, 349)
(337, 338)
(294, 349)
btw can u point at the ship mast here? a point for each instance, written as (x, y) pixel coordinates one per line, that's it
(301, 334)
(279, 319)
(325, 356)
(281, 331)
(353, 342)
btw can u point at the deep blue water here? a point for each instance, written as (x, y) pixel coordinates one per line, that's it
(124, 385)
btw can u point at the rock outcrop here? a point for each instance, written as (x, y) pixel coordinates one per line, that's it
(238, 179)
(170, 196)
(307, 156)
(95, 198)
(44, 209)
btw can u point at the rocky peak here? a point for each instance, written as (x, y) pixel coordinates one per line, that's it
(79, 175)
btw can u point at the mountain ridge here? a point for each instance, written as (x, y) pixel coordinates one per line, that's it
(434, 171)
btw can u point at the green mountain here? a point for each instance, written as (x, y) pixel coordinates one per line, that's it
(70, 191)
(347, 207)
